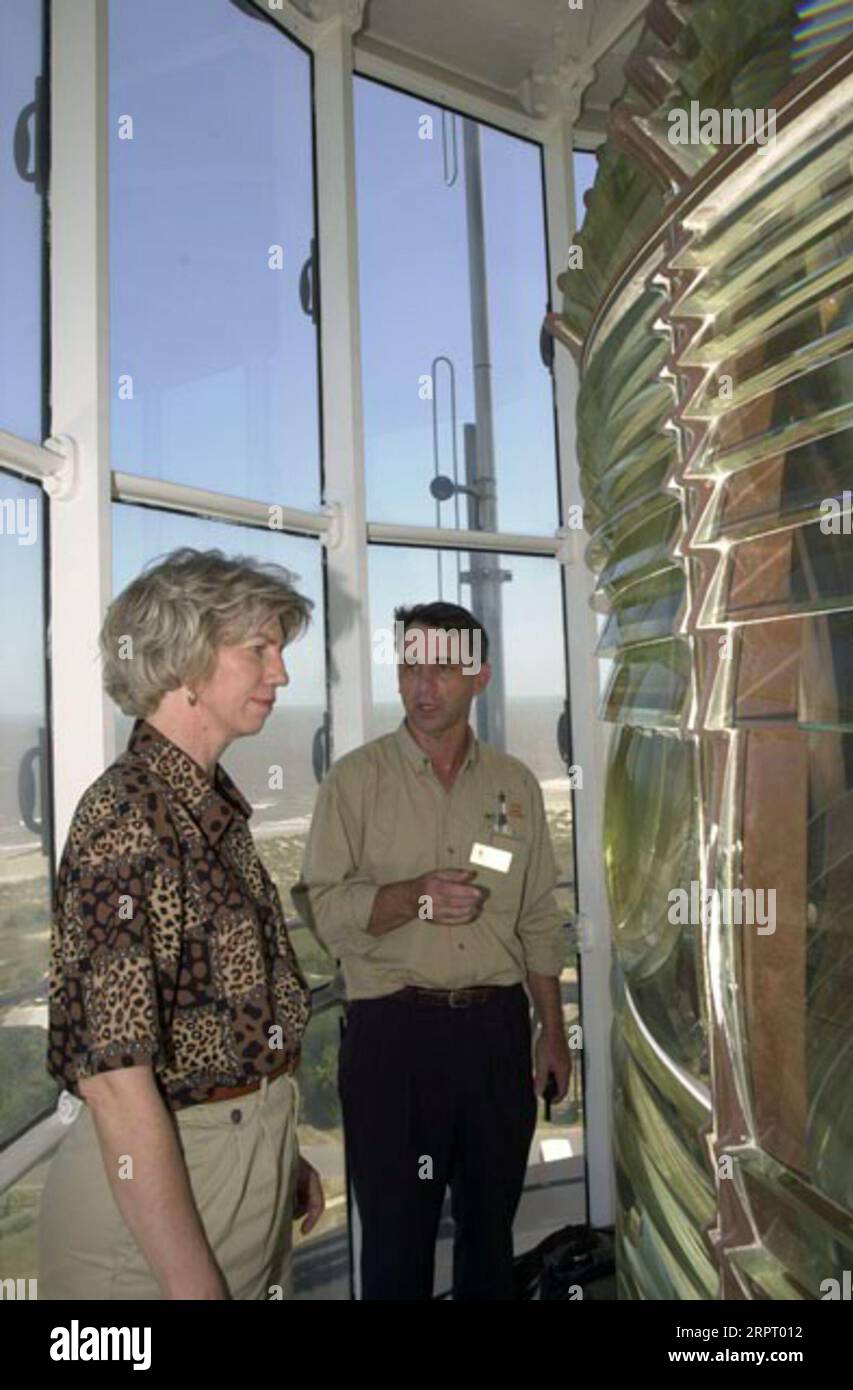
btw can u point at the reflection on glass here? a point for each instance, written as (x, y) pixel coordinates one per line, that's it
(743, 441)
(441, 291)
(644, 612)
(799, 1248)
(651, 849)
(622, 410)
(829, 968)
(23, 152)
(639, 471)
(783, 486)
(791, 572)
(212, 289)
(649, 685)
(644, 549)
(745, 272)
(25, 1088)
(663, 1176)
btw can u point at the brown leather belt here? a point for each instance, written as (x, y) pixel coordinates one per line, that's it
(450, 998)
(232, 1092)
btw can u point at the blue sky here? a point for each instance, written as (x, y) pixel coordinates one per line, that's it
(413, 257)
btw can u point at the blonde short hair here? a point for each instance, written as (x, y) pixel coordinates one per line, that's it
(164, 629)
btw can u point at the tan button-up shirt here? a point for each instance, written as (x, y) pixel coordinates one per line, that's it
(381, 816)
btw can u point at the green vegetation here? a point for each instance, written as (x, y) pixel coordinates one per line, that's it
(19, 1207)
(24, 932)
(25, 1087)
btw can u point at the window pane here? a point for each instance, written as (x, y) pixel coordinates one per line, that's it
(213, 358)
(19, 1213)
(281, 816)
(22, 152)
(25, 874)
(418, 291)
(530, 614)
(321, 1259)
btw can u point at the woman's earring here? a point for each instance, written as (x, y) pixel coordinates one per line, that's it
(192, 698)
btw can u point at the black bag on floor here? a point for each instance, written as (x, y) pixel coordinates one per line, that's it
(573, 1257)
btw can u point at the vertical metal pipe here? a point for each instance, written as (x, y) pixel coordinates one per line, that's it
(485, 573)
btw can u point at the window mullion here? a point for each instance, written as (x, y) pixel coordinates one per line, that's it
(343, 442)
(162, 494)
(80, 559)
(446, 537)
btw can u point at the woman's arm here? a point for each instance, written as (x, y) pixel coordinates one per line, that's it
(157, 1204)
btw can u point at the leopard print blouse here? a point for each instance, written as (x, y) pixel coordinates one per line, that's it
(168, 943)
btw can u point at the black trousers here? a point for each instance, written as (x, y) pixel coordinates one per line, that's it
(436, 1097)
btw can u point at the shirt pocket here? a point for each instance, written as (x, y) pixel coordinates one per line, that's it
(392, 849)
(506, 890)
(384, 810)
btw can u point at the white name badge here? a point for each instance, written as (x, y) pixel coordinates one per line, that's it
(490, 858)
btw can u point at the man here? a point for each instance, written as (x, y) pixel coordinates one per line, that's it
(429, 873)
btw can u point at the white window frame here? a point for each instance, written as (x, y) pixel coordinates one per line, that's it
(75, 465)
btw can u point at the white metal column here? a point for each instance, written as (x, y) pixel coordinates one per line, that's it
(343, 433)
(588, 734)
(343, 443)
(80, 561)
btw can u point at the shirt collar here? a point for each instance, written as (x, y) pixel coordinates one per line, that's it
(420, 760)
(212, 804)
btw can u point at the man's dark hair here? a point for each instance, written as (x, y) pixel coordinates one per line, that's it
(446, 617)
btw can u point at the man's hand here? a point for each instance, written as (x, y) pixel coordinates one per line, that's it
(308, 1199)
(453, 900)
(552, 1054)
(446, 896)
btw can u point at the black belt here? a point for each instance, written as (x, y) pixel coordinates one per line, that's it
(449, 998)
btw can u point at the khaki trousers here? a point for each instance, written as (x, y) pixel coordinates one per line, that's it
(241, 1156)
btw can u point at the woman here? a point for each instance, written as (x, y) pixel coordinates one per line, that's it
(176, 1001)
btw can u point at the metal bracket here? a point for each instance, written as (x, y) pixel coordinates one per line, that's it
(61, 483)
(556, 87)
(494, 576)
(583, 933)
(311, 20)
(568, 544)
(332, 538)
(68, 1107)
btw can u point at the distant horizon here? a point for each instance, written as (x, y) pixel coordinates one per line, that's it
(27, 715)
(381, 704)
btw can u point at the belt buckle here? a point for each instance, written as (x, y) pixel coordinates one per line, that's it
(454, 994)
